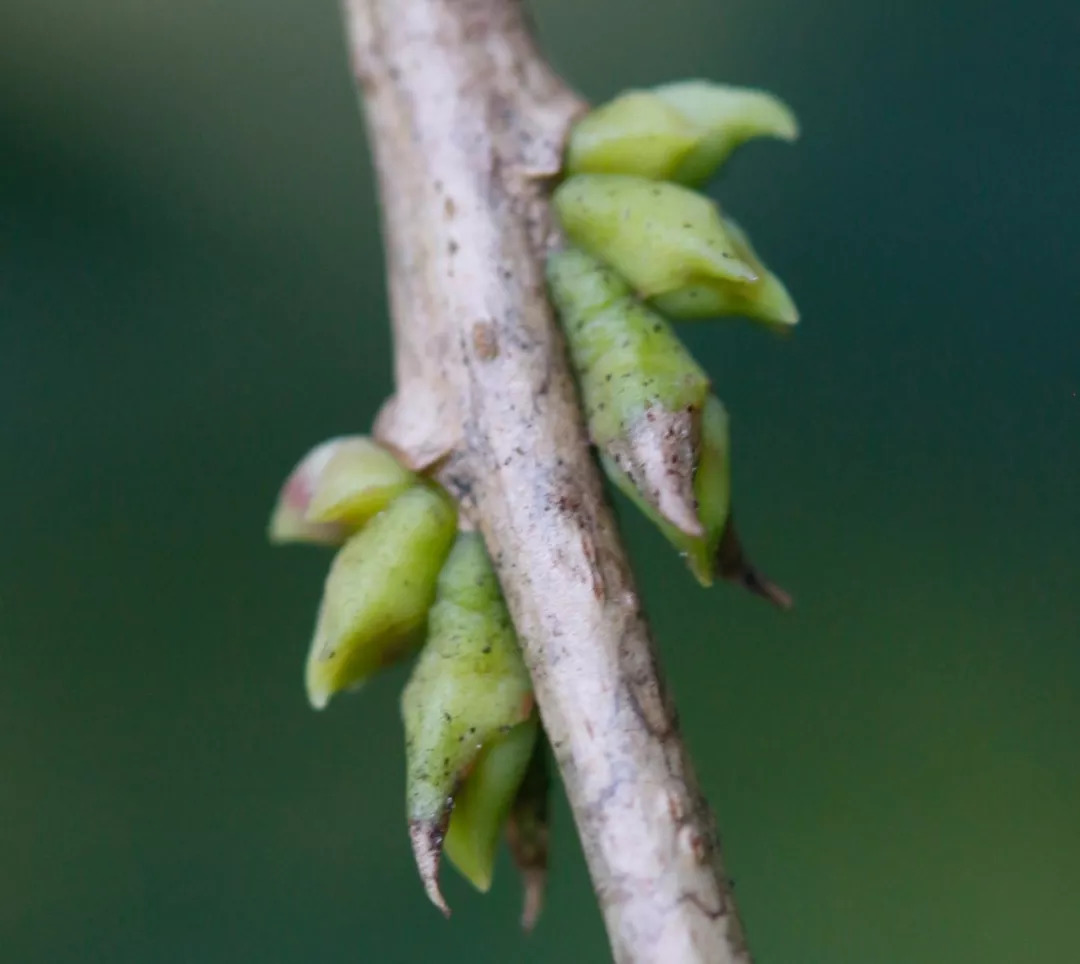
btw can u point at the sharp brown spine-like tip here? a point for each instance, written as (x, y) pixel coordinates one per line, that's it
(534, 880)
(527, 832)
(427, 838)
(733, 566)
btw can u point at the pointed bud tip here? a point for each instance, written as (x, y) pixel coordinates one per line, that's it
(316, 683)
(289, 521)
(658, 460)
(288, 526)
(318, 698)
(427, 838)
(699, 571)
(777, 307)
(774, 118)
(534, 882)
(479, 878)
(736, 568)
(323, 679)
(679, 512)
(759, 585)
(745, 111)
(787, 124)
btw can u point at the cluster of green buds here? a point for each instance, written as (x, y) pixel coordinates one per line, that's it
(645, 248)
(409, 577)
(405, 578)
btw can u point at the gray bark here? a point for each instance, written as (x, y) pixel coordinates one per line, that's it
(467, 124)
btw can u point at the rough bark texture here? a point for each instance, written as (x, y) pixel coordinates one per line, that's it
(467, 124)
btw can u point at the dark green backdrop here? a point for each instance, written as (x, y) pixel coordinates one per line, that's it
(191, 295)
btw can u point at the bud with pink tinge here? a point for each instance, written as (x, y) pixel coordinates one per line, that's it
(335, 489)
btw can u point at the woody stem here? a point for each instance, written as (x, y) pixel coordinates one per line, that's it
(467, 123)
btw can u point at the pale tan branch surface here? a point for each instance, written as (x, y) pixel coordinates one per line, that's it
(467, 124)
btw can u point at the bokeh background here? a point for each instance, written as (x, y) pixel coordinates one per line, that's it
(191, 295)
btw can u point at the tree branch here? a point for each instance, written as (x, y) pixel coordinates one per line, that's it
(467, 123)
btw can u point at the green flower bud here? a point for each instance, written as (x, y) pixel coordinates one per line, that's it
(728, 117)
(636, 133)
(661, 434)
(483, 802)
(378, 592)
(469, 720)
(765, 299)
(642, 390)
(335, 489)
(660, 237)
(528, 829)
(678, 132)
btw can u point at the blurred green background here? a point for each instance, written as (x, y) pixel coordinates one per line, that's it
(191, 295)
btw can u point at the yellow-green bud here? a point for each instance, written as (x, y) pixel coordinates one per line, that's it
(660, 237)
(378, 592)
(636, 133)
(766, 299)
(470, 722)
(642, 390)
(680, 132)
(335, 489)
(728, 117)
(483, 802)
